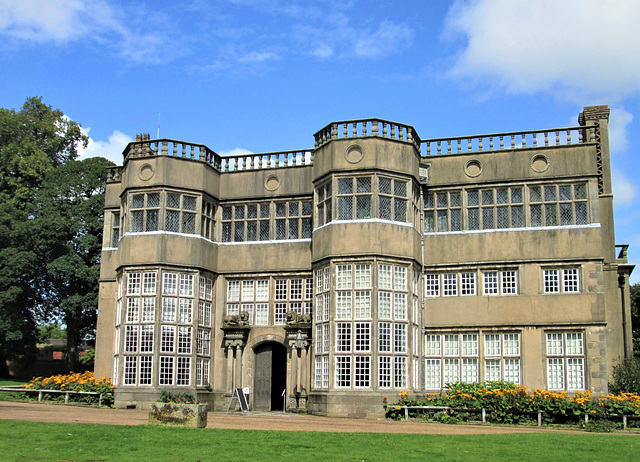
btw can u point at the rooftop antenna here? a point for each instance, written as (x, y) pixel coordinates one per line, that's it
(158, 133)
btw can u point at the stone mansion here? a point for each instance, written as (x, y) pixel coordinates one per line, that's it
(375, 263)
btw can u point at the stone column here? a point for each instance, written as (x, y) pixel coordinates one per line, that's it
(304, 364)
(230, 351)
(238, 366)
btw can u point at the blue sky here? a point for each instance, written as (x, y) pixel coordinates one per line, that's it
(265, 75)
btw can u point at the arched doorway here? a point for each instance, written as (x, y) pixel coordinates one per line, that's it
(270, 376)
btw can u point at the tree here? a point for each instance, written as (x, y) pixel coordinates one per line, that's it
(68, 221)
(33, 141)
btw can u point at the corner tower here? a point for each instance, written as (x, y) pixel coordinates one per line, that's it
(366, 259)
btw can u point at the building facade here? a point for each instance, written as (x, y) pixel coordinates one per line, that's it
(375, 263)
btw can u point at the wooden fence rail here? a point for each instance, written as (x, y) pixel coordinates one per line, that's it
(66, 393)
(625, 418)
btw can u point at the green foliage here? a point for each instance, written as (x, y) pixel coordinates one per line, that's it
(174, 396)
(85, 381)
(69, 219)
(505, 402)
(51, 331)
(625, 377)
(33, 141)
(600, 426)
(50, 229)
(88, 358)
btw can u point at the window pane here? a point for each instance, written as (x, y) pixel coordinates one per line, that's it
(566, 214)
(345, 211)
(502, 196)
(385, 207)
(536, 215)
(173, 200)
(503, 217)
(517, 216)
(172, 222)
(535, 194)
(152, 220)
(293, 209)
(400, 188)
(487, 218)
(400, 210)
(549, 193)
(137, 201)
(487, 197)
(442, 200)
(188, 223)
(454, 199)
(472, 198)
(345, 186)
(136, 221)
(189, 203)
(550, 215)
(384, 185)
(456, 220)
(363, 204)
(474, 219)
(581, 213)
(363, 184)
(565, 193)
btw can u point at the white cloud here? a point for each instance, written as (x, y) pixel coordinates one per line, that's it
(65, 21)
(55, 20)
(337, 38)
(235, 152)
(623, 190)
(111, 149)
(383, 41)
(618, 132)
(572, 48)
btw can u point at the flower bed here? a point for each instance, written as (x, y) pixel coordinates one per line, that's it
(78, 382)
(506, 402)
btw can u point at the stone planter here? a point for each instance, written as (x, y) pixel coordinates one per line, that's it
(178, 414)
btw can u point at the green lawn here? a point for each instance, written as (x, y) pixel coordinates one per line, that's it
(12, 382)
(54, 441)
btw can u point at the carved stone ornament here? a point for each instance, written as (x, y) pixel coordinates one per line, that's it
(354, 154)
(293, 317)
(473, 168)
(539, 163)
(272, 182)
(145, 172)
(236, 320)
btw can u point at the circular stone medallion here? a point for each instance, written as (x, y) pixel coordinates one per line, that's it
(539, 163)
(272, 182)
(354, 154)
(145, 172)
(473, 168)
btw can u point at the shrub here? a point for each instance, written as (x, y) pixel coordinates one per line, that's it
(626, 377)
(172, 396)
(509, 403)
(600, 426)
(76, 382)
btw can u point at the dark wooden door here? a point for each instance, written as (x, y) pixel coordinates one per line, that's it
(262, 386)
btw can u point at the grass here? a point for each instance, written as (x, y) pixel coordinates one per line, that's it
(22, 441)
(12, 382)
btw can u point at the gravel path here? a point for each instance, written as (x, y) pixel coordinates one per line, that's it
(35, 412)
